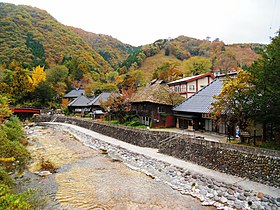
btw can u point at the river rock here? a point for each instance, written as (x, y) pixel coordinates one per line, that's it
(230, 192)
(43, 173)
(209, 195)
(223, 200)
(232, 198)
(207, 203)
(260, 195)
(203, 192)
(274, 207)
(220, 194)
(103, 150)
(241, 197)
(265, 199)
(247, 194)
(216, 198)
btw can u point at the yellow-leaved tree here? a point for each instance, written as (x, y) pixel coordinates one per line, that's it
(38, 76)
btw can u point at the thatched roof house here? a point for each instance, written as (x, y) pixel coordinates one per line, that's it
(153, 104)
(159, 93)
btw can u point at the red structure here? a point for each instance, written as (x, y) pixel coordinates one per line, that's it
(25, 112)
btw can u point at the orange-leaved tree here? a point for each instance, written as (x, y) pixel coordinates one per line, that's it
(233, 103)
(117, 105)
(168, 72)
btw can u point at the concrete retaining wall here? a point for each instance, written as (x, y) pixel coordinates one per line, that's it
(256, 164)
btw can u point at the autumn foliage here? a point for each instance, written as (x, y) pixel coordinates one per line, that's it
(254, 95)
(117, 105)
(38, 76)
(233, 103)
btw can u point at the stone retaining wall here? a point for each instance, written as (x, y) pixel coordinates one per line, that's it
(139, 137)
(256, 164)
(260, 168)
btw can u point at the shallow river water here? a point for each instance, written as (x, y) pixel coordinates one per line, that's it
(89, 179)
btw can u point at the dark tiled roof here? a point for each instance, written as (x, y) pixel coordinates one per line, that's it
(102, 97)
(159, 93)
(80, 101)
(74, 93)
(201, 101)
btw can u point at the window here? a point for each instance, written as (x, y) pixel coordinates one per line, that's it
(191, 87)
(206, 115)
(161, 109)
(178, 88)
(145, 120)
(183, 88)
(142, 121)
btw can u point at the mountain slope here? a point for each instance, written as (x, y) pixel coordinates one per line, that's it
(111, 49)
(223, 57)
(32, 37)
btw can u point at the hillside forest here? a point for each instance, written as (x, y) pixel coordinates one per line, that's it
(70, 57)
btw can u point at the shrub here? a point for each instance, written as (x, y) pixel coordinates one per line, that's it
(66, 111)
(88, 116)
(8, 200)
(14, 129)
(115, 122)
(10, 147)
(13, 157)
(141, 126)
(5, 178)
(270, 145)
(134, 122)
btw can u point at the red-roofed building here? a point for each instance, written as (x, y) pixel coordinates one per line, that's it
(190, 85)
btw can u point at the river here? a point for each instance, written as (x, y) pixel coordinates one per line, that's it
(90, 179)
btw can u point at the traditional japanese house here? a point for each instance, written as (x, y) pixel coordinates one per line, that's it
(153, 104)
(194, 112)
(73, 94)
(95, 104)
(80, 105)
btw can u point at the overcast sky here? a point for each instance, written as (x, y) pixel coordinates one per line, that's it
(139, 22)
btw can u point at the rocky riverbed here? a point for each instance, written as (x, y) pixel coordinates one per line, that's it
(91, 174)
(208, 190)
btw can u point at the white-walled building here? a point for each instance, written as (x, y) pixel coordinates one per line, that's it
(190, 85)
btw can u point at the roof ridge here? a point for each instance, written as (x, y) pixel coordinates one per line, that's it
(76, 99)
(191, 78)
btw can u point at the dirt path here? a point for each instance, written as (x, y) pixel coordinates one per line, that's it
(89, 179)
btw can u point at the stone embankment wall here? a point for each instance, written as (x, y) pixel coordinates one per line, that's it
(260, 168)
(139, 137)
(256, 164)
